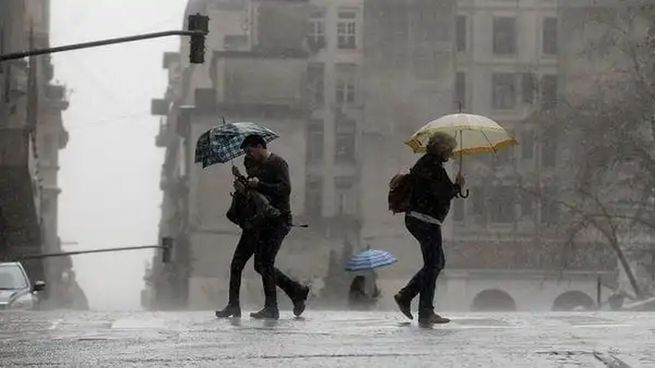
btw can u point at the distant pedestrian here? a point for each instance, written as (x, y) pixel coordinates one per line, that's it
(361, 295)
(429, 203)
(272, 180)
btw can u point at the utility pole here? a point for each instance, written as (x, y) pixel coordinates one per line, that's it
(198, 28)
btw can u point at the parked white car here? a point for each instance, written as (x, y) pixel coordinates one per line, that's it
(16, 290)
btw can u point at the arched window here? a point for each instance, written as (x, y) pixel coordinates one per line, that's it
(493, 300)
(572, 300)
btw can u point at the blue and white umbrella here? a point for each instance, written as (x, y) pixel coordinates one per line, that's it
(370, 259)
(223, 143)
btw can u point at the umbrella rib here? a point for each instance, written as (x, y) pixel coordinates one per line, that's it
(487, 138)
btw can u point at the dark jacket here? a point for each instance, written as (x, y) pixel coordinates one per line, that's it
(274, 183)
(432, 189)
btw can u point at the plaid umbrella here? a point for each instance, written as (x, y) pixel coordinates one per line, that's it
(223, 143)
(370, 259)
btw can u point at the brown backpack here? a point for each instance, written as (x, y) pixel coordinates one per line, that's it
(400, 190)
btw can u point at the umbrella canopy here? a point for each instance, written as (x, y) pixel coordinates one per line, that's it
(223, 143)
(474, 134)
(370, 259)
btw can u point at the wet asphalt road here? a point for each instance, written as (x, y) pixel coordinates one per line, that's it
(325, 339)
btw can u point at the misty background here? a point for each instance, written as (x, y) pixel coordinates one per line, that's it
(110, 169)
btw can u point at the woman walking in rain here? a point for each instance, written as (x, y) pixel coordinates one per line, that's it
(429, 203)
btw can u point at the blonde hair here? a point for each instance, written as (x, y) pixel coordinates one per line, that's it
(441, 144)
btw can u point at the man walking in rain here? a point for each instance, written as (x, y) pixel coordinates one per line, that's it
(247, 242)
(272, 180)
(429, 203)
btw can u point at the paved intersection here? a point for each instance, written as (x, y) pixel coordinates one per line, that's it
(326, 339)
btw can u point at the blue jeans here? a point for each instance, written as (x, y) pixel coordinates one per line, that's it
(424, 281)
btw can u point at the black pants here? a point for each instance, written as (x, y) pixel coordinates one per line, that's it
(269, 241)
(244, 250)
(265, 252)
(424, 281)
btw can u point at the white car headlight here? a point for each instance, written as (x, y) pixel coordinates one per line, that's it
(22, 302)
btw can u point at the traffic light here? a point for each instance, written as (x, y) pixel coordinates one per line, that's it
(167, 249)
(200, 23)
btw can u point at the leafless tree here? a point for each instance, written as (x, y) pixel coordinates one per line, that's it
(610, 133)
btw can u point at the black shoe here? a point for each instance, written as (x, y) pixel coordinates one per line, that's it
(432, 319)
(266, 313)
(229, 311)
(405, 306)
(299, 301)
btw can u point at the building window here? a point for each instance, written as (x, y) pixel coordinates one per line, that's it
(316, 83)
(550, 211)
(315, 133)
(345, 83)
(460, 89)
(549, 36)
(314, 197)
(316, 35)
(461, 33)
(527, 144)
(345, 195)
(347, 29)
(345, 141)
(502, 205)
(549, 151)
(504, 34)
(345, 91)
(528, 87)
(549, 91)
(504, 91)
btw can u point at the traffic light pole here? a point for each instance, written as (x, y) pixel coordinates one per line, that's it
(166, 246)
(198, 29)
(20, 55)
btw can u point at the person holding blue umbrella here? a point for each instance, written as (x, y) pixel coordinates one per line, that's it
(364, 292)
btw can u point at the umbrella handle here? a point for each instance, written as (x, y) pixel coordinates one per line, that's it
(464, 194)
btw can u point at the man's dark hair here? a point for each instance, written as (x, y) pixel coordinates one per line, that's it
(253, 140)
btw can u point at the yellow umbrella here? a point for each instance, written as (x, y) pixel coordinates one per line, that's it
(474, 134)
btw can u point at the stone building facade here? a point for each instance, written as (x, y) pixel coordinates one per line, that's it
(32, 133)
(365, 76)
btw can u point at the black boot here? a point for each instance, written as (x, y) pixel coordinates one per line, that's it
(230, 310)
(299, 301)
(430, 318)
(404, 305)
(266, 313)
